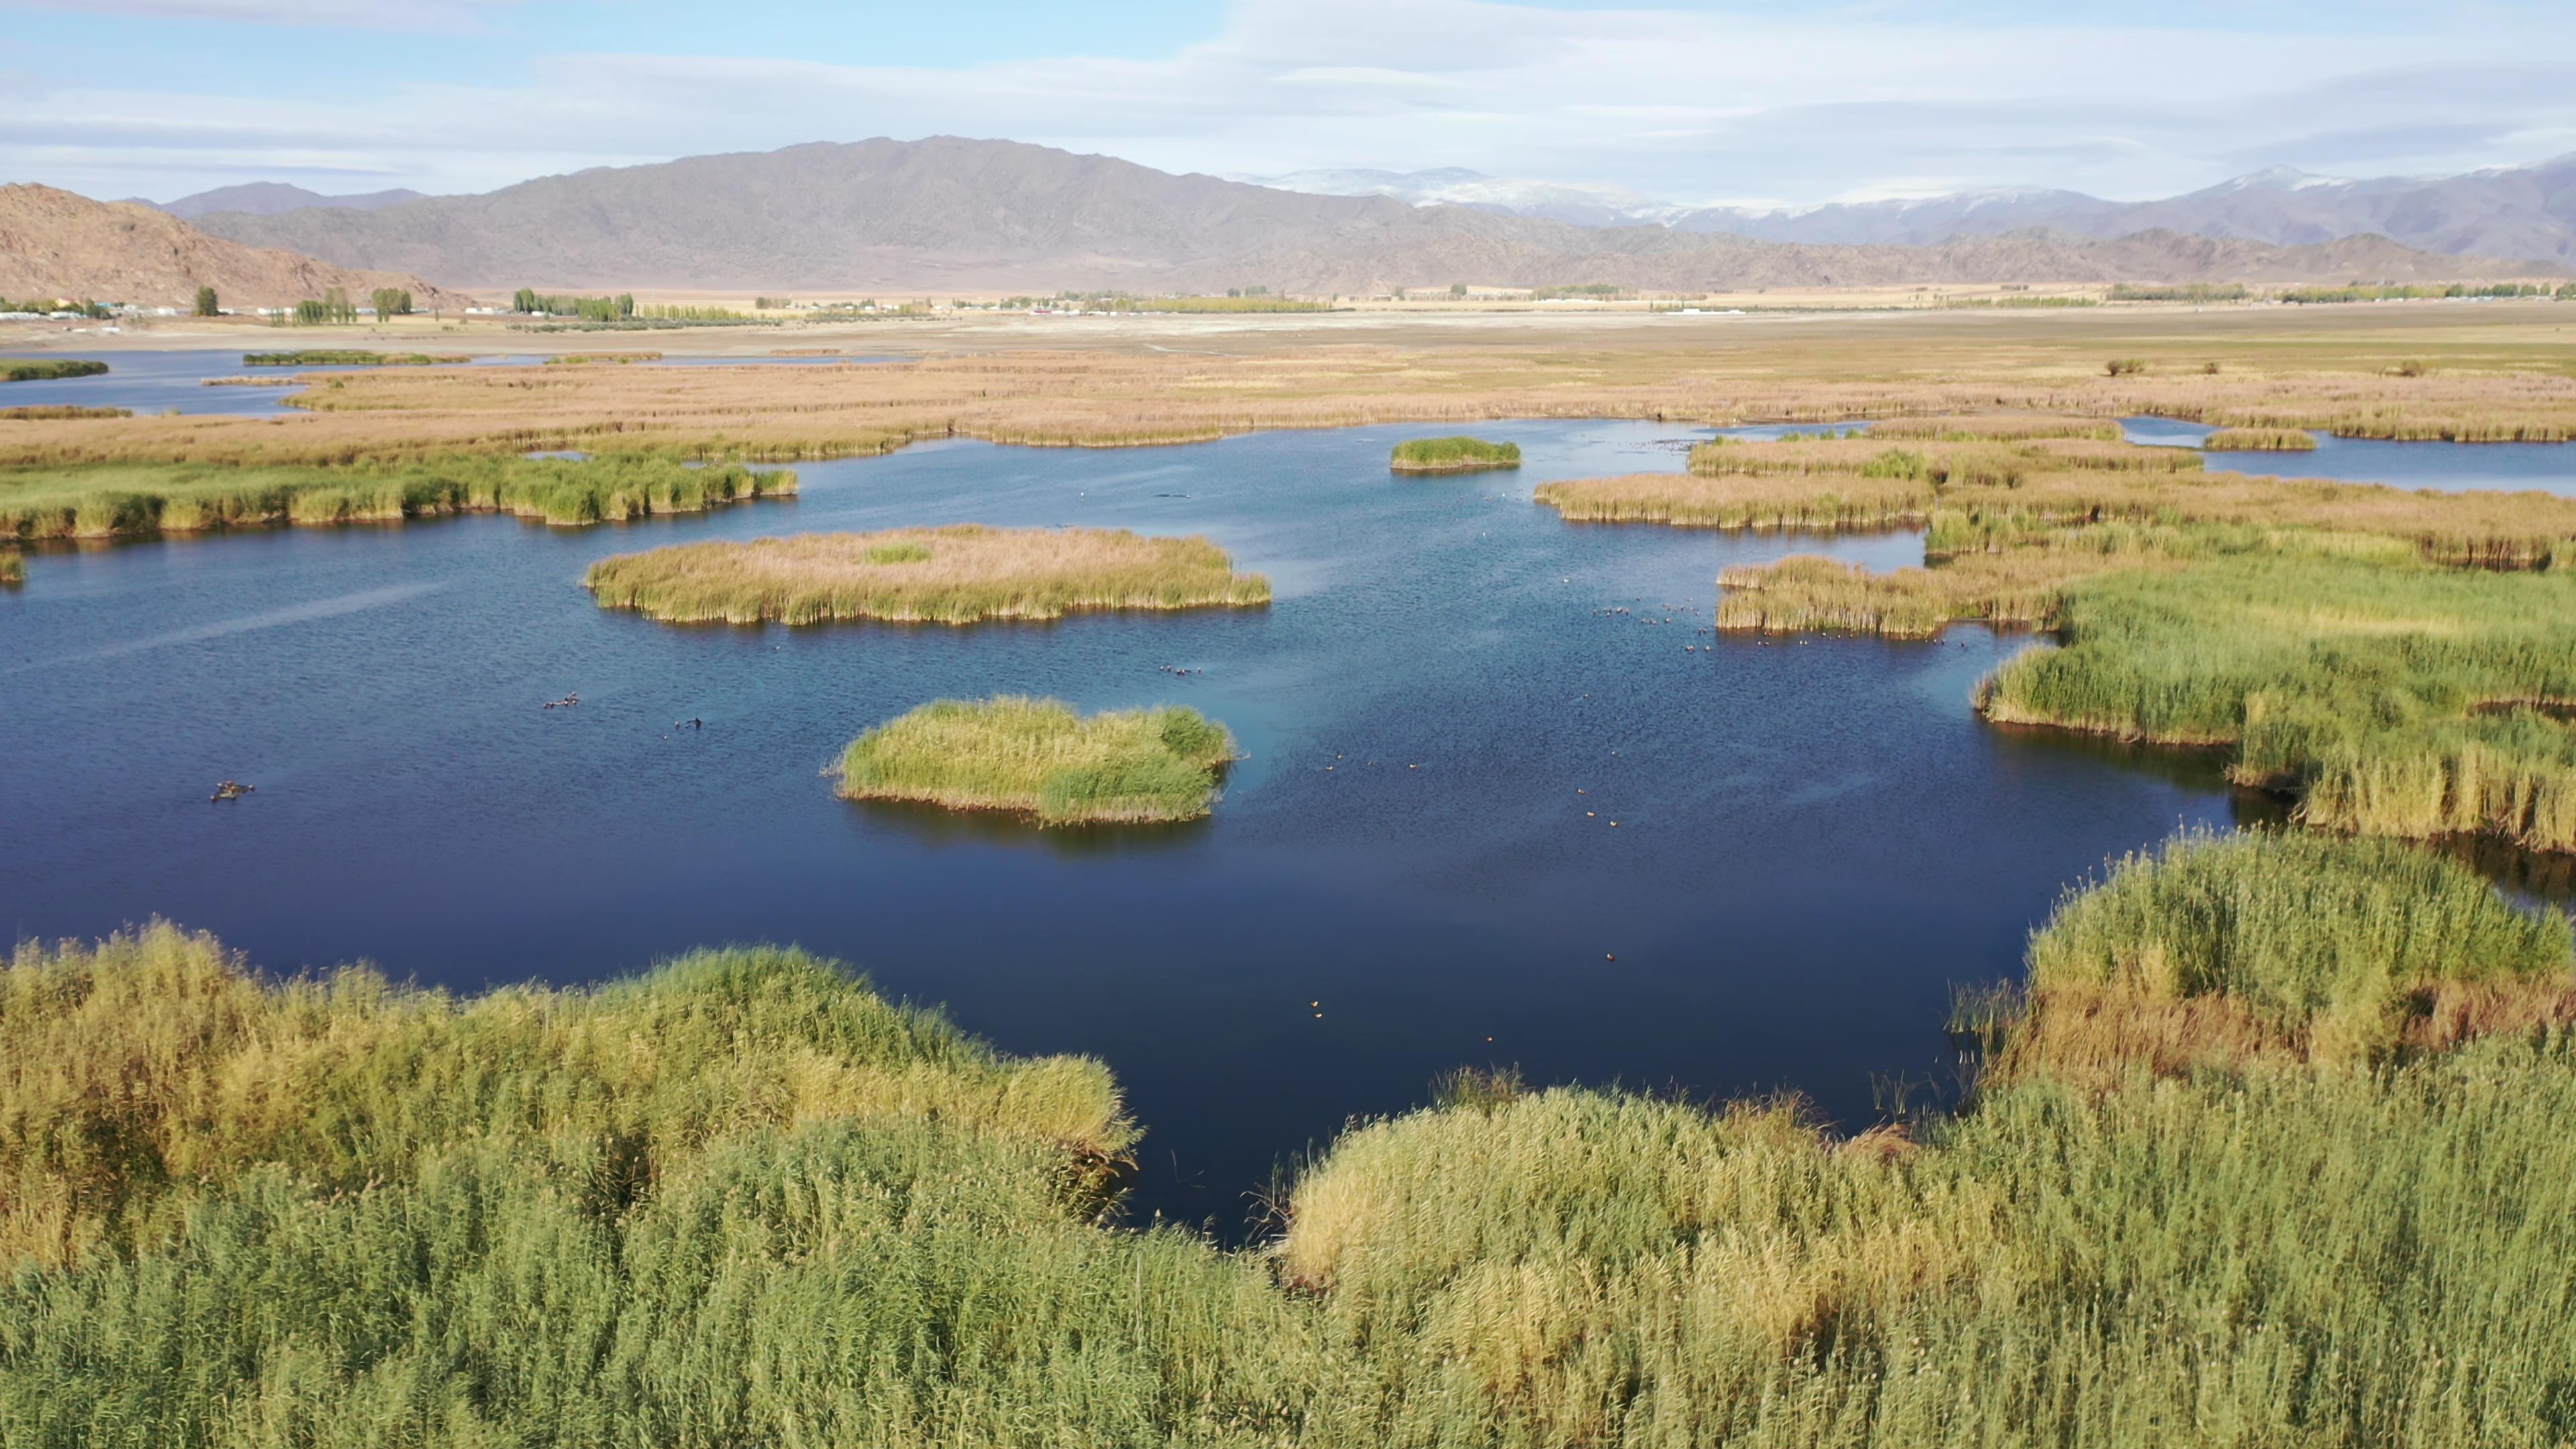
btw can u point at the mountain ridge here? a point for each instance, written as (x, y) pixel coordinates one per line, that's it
(949, 213)
(55, 243)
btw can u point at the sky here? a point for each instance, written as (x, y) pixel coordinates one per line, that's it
(1699, 103)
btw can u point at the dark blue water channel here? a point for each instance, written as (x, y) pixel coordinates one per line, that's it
(1815, 837)
(2446, 467)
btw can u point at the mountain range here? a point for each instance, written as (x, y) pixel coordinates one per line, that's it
(2515, 211)
(58, 244)
(950, 214)
(268, 198)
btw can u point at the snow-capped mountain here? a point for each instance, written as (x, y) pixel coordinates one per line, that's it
(2516, 211)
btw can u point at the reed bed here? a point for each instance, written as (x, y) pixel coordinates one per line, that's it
(13, 569)
(2289, 370)
(45, 369)
(1779, 500)
(960, 574)
(112, 501)
(2392, 699)
(56, 412)
(584, 359)
(743, 1200)
(347, 357)
(2260, 440)
(1996, 428)
(1039, 757)
(2221, 953)
(1453, 455)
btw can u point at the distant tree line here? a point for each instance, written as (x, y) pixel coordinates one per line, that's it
(589, 309)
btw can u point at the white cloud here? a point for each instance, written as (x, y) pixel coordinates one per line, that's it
(1692, 106)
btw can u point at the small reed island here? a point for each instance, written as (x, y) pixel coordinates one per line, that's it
(1453, 455)
(1039, 757)
(960, 574)
(46, 369)
(2260, 440)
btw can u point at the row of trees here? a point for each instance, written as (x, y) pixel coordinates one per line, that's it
(589, 309)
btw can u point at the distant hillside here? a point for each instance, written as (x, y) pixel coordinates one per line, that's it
(56, 244)
(2521, 211)
(950, 214)
(268, 198)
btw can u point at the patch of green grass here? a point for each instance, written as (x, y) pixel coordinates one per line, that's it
(1453, 455)
(42, 369)
(111, 500)
(961, 574)
(2393, 698)
(13, 569)
(2260, 440)
(1040, 757)
(58, 412)
(346, 357)
(742, 1200)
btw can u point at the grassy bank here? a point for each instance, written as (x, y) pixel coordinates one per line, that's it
(45, 369)
(954, 575)
(346, 357)
(2260, 440)
(1453, 455)
(1039, 757)
(2392, 697)
(2271, 1149)
(2402, 663)
(125, 500)
(57, 412)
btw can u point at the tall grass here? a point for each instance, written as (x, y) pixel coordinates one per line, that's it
(744, 1201)
(2260, 440)
(2383, 694)
(1039, 757)
(55, 412)
(1453, 455)
(1821, 501)
(955, 575)
(345, 357)
(118, 500)
(13, 569)
(41, 369)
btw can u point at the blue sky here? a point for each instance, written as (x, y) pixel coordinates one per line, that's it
(1765, 104)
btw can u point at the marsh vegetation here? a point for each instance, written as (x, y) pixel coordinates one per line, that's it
(122, 500)
(2398, 662)
(2273, 1137)
(955, 575)
(1453, 455)
(1041, 758)
(41, 369)
(346, 357)
(2260, 440)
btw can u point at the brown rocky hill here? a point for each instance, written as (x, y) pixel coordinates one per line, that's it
(56, 244)
(952, 214)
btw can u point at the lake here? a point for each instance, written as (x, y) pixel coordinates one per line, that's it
(1816, 837)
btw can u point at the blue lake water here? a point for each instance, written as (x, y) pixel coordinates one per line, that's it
(1816, 837)
(2448, 467)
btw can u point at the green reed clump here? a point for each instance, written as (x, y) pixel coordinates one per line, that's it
(123, 499)
(2260, 440)
(1040, 757)
(1453, 455)
(346, 357)
(2380, 692)
(961, 574)
(1996, 428)
(43, 369)
(2330, 943)
(743, 1200)
(13, 569)
(56, 412)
